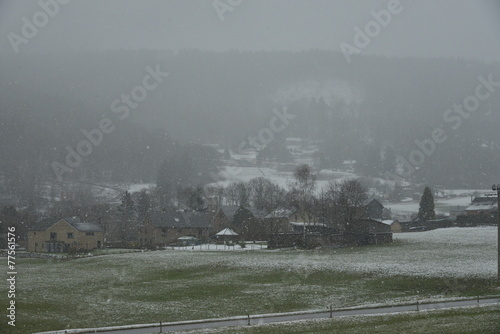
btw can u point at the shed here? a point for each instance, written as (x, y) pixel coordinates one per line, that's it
(227, 235)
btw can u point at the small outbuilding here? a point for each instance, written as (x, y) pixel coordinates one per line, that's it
(227, 235)
(394, 224)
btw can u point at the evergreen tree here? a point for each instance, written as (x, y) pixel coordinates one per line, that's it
(245, 223)
(426, 209)
(193, 197)
(127, 213)
(143, 204)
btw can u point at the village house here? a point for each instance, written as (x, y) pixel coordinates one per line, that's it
(483, 205)
(372, 209)
(166, 227)
(54, 235)
(278, 221)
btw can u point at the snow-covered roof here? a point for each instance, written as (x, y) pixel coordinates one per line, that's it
(81, 226)
(307, 224)
(482, 207)
(387, 222)
(383, 221)
(280, 213)
(187, 237)
(488, 195)
(227, 231)
(87, 227)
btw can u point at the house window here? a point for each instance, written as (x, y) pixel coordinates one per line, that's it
(70, 235)
(53, 235)
(89, 233)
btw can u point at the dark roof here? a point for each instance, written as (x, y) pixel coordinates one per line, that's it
(373, 202)
(197, 219)
(257, 213)
(45, 223)
(280, 213)
(485, 198)
(179, 219)
(229, 210)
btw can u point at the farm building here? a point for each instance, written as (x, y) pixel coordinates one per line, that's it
(278, 221)
(166, 227)
(366, 231)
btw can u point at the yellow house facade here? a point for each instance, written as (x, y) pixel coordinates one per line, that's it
(53, 235)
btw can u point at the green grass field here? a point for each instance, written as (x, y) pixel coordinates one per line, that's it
(145, 287)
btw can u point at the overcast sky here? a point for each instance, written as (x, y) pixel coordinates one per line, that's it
(436, 28)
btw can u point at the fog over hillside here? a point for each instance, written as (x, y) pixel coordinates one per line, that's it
(221, 78)
(221, 98)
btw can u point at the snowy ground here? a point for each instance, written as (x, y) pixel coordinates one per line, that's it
(453, 252)
(442, 206)
(215, 247)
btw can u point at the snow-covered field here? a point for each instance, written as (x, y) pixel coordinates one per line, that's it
(216, 247)
(453, 252)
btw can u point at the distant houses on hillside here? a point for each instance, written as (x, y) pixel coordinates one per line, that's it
(483, 210)
(283, 227)
(166, 227)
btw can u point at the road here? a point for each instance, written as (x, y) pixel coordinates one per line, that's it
(257, 320)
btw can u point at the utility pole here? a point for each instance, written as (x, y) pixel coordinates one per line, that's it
(497, 188)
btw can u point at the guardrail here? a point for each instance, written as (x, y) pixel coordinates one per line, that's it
(330, 312)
